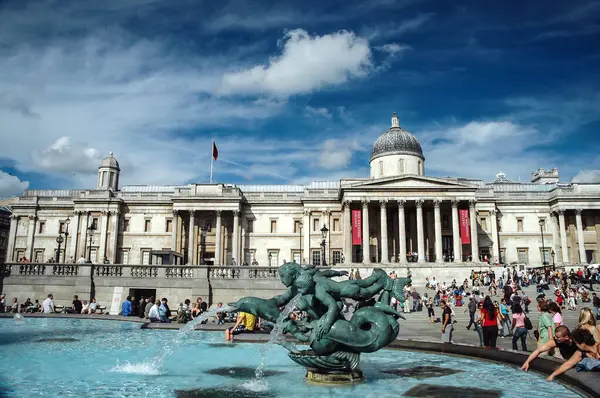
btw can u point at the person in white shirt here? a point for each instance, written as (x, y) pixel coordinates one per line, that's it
(86, 307)
(48, 305)
(81, 260)
(153, 315)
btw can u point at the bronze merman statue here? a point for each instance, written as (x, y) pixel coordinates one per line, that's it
(335, 342)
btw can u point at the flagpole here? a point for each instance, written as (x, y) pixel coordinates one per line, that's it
(212, 158)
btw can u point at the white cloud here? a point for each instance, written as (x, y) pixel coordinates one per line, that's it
(481, 149)
(394, 48)
(309, 111)
(336, 153)
(587, 176)
(306, 63)
(64, 156)
(11, 185)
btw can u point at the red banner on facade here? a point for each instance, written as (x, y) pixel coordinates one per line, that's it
(356, 227)
(465, 231)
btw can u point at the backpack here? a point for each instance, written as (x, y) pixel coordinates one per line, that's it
(528, 324)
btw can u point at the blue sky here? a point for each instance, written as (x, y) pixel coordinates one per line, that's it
(294, 91)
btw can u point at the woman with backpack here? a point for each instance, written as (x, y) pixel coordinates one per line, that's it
(519, 329)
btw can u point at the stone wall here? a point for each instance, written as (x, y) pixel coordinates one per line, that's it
(177, 283)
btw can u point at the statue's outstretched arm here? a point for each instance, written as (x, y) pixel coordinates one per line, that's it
(329, 273)
(283, 298)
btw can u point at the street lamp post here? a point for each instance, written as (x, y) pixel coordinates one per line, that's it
(203, 232)
(324, 231)
(91, 230)
(67, 222)
(553, 254)
(544, 262)
(59, 240)
(270, 257)
(300, 226)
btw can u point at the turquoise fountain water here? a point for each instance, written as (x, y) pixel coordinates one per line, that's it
(87, 358)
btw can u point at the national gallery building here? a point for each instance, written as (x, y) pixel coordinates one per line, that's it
(395, 215)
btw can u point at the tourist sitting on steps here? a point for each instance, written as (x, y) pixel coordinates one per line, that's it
(246, 323)
(164, 311)
(153, 313)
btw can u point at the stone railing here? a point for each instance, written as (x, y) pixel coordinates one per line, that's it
(139, 271)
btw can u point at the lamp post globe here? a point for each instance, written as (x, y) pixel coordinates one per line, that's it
(59, 240)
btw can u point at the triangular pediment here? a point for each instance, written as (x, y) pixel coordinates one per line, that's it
(408, 182)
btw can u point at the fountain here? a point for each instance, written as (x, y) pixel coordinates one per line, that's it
(335, 343)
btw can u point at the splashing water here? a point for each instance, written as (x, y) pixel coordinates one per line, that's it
(143, 368)
(275, 337)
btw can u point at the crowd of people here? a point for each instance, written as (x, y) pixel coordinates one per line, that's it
(48, 307)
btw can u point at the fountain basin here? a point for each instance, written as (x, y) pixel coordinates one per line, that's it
(115, 359)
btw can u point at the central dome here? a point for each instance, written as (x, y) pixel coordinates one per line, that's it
(396, 141)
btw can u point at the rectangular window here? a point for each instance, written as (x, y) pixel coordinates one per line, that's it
(126, 225)
(502, 256)
(336, 224)
(519, 225)
(38, 256)
(296, 257)
(297, 226)
(169, 226)
(545, 255)
(336, 256)
(61, 227)
(250, 224)
(273, 257)
(316, 225)
(273, 226)
(124, 256)
(146, 225)
(145, 257)
(95, 223)
(523, 255)
(316, 257)
(41, 227)
(483, 223)
(94, 254)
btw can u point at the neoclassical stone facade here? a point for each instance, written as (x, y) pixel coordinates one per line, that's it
(401, 211)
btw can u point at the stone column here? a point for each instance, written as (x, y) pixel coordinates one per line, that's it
(83, 240)
(420, 238)
(306, 228)
(236, 236)
(456, 241)
(103, 230)
(384, 235)
(439, 256)
(563, 237)
(191, 238)
(555, 236)
(10, 251)
(401, 232)
(114, 237)
(74, 234)
(218, 239)
(495, 240)
(347, 233)
(580, 237)
(175, 229)
(366, 248)
(474, 233)
(30, 236)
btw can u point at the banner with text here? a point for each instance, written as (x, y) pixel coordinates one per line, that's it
(356, 227)
(465, 232)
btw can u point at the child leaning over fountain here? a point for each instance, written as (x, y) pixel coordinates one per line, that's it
(246, 323)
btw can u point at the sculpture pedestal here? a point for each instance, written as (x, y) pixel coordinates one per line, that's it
(321, 376)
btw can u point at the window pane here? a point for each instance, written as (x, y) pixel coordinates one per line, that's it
(274, 256)
(273, 226)
(297, 257)
(169, 225)
(336, 224)
(316, 257)
(336, 256)
(125, 257)
(315, 224)
(145, 257)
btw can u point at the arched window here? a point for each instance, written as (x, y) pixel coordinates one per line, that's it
(401, 166)
(420, 170)
(380, 168)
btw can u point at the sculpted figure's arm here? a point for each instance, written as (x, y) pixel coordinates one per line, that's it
(283, 298)
(331, 273)
(333, 311)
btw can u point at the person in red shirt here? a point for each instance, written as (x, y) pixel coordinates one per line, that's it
(489, 323)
